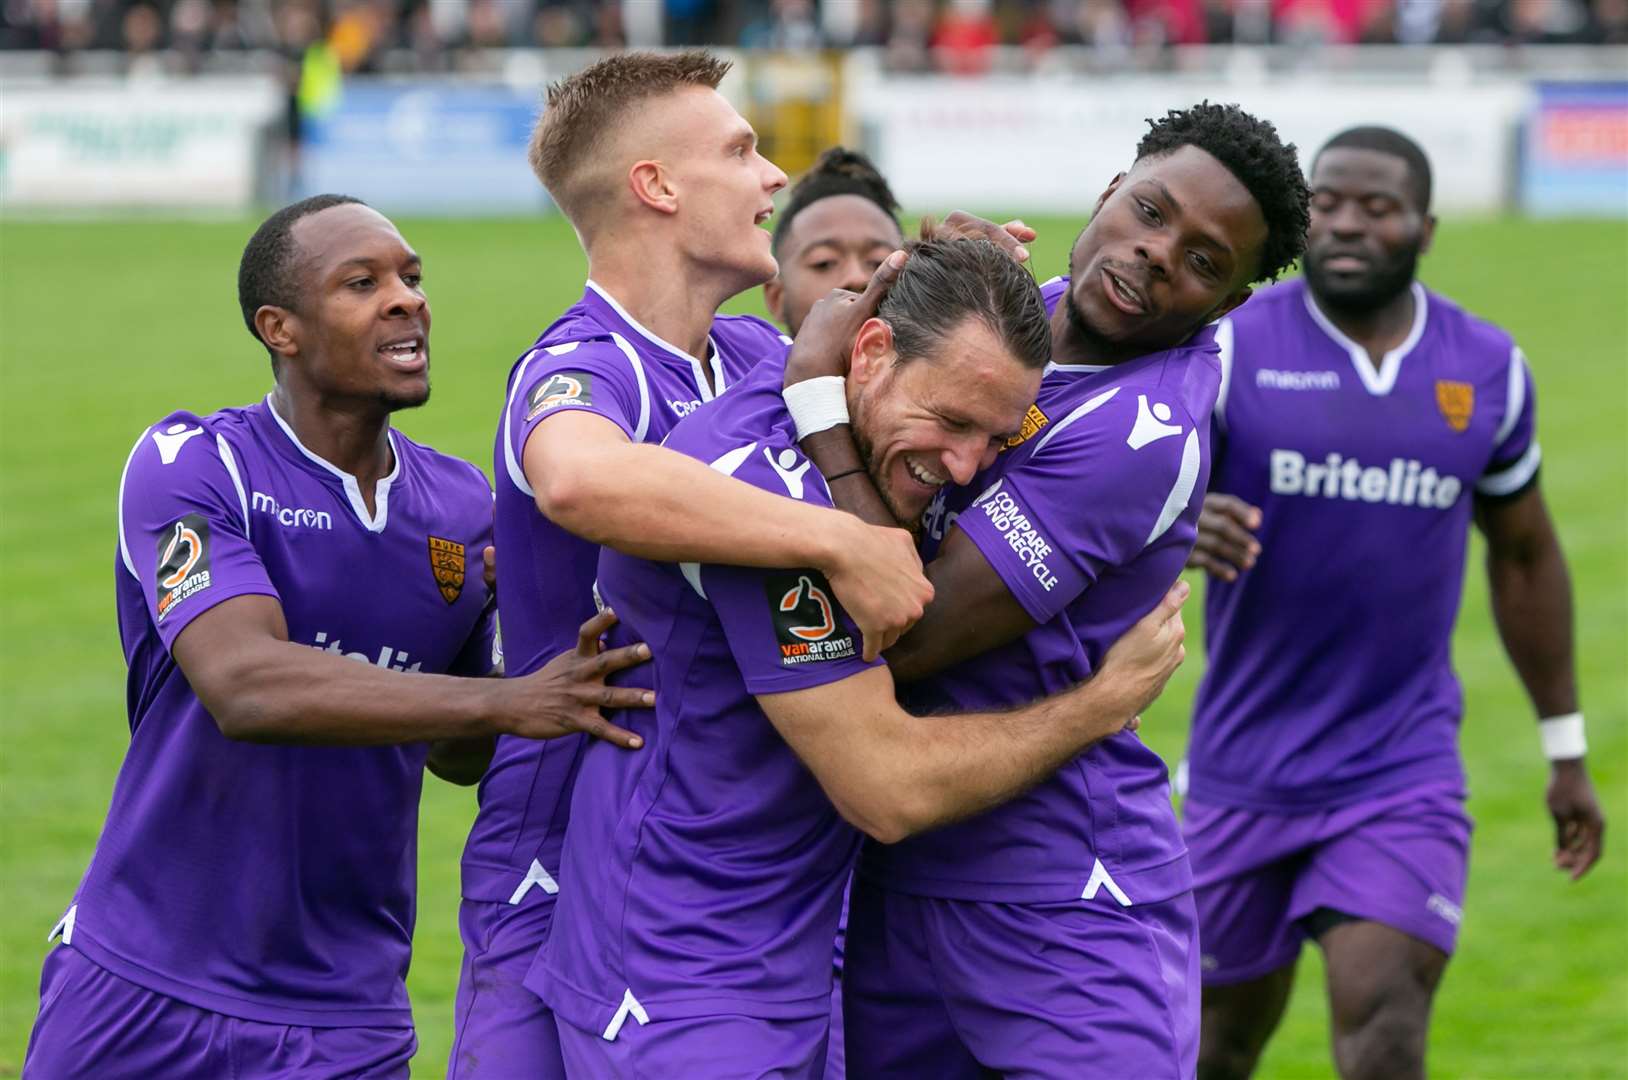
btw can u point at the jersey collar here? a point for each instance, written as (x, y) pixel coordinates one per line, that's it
(1379, 381)
(373, 522)
(715, 359)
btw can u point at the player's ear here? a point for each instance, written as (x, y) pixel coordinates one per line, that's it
(872, 352)
(1427, 234)
(1113, 186)
(653, 186)
(774, 298)
(278, 328)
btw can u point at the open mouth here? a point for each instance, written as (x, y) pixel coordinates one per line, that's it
(1122, 294)
(763, 216)
(929, 480)
(405, 354)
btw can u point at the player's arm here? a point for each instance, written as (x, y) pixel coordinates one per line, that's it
(654, 503)
(1532, 606)
(893, 775)
(461, 761)
(260, 687)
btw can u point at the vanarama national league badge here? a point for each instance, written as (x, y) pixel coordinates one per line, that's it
(447, 564)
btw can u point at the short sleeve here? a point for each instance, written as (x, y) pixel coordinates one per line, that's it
(1515, 452)
(785, 628)
(1091, 497)
(602, 377)
(482, 653)
(184, 524)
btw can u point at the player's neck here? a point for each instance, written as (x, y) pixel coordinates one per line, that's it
(1377, 329)
(672, 301)
(352, 437)
(1073, 343)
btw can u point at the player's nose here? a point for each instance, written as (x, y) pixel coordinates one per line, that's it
(773, 177)
(962, 459)
(854, 276)
(404, 300)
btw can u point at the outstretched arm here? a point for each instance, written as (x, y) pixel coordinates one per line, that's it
(658, 504)
(260, 687)
(893, 775)
(1532, 606)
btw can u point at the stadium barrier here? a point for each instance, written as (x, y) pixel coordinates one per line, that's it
(1540, 130)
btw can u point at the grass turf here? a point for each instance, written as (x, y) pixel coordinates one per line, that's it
(106, 327)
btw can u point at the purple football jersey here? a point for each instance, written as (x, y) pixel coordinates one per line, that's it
(1088, 521)
(1329, 675)
(704, 873)
(595, 358)
(276, 883)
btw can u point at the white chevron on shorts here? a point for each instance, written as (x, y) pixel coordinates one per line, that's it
(630, 1007)
(1100, 879)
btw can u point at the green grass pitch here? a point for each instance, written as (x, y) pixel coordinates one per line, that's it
(106, 327)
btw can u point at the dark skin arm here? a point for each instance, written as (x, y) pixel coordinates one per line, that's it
(1532, 606)
(260, 687)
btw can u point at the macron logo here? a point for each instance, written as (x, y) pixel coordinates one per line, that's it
(1151, 424)
(171, 439)
(1268, 379)
(290, 517)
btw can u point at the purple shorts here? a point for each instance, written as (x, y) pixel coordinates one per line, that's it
(714, 1047)
(956, 989)
(501, 1029)
(93, 1023)
(1401, 860)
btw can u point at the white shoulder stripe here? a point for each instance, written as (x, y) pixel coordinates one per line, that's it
(1515, 399)
(1081, 410)
(1182, 491)
(230, 462)
(124, 545)
(642, 429)
(1223, 339)
(511, 465)
(1512, 479)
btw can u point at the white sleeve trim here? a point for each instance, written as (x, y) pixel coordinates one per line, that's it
(511, 464)
(1510, 480)
(1223, 340)
(643, 428)
(1181, 493)
(230, 462)
(124, 545)
(1086, 409)
(1515, 400)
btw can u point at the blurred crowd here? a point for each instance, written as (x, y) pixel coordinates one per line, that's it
(917, 35)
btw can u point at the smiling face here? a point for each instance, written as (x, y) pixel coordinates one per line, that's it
(1368, 228)
(835, 243)
(362, 327)
(724, 189)
(935, 419)
(1173, 245)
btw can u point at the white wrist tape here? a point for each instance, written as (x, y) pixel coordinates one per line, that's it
(1563, 737)
(817, 404)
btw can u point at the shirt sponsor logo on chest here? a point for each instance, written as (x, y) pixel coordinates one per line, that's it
(1405, 482)
(388, 657)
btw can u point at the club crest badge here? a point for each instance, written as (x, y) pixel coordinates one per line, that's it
(1033, 421)
(1456, 400)
(447, 564)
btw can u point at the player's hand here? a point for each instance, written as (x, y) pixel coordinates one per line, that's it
(1226, 542)
(1579, 825)
(488, 570)
(879, 581)
(566, 696)
(1010, 238)
(1142, 661)
(827, 334)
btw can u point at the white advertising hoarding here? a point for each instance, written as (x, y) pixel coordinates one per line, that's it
(190, 144)
(1053, 144)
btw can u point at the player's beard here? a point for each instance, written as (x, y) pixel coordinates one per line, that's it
(396, 402)
(1382, 284)
(873, 468)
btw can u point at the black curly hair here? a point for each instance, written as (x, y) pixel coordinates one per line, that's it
(839, 171)
(1252, 151)
(267, 274)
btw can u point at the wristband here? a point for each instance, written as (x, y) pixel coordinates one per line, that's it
(829, 480)
(817, 404)
(1563, 737)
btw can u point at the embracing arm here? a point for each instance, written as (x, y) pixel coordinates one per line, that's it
(1532, 606)
(893, 775)
(655, 503)
(260, 687)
